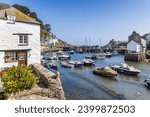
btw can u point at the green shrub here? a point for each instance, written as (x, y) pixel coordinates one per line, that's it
(18, 79)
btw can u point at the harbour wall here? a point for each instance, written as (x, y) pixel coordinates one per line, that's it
(135, 57)
(50, 80)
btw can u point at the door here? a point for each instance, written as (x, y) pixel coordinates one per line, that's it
(22, 58)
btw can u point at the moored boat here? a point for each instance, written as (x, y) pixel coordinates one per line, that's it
(108, 54)
(52, 58)
(64, 57)
(76, 63)
(59, 53)
(105, 71)
(100, 56)
(90, 57)
(71, 52)
(53, 65)
(126, 69)
(114, 53)
(65, 64)
(88, 62)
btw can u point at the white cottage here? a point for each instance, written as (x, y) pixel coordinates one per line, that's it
(136, 43)
(53, 41)
(19, 39)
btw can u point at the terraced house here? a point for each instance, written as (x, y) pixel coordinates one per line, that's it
(19, 39)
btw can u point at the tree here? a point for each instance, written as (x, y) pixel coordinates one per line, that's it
(23, 9)
(33, 15)
(48, 27)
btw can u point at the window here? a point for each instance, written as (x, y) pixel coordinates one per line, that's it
(11, 19)
(11, 57)
(23, 39)
(22, 56)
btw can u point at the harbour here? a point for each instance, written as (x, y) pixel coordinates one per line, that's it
(80, 82)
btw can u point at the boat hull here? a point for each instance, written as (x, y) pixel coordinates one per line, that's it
(127, 72)
(106, 74)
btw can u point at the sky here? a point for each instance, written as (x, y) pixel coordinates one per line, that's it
(98, 21)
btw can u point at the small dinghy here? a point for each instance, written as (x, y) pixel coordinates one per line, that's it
(126, 69)
(88, 62)
(105, 71)
(65, 64)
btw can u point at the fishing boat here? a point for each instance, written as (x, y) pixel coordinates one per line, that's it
(126, 69)
(105, 71)
(108, 54)
(71, 52)
(88, 62)
(64, 57)
(65, 64)
(147, 82)
(76, 63)
(100, 56)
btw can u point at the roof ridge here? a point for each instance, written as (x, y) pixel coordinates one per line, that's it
(20, 16)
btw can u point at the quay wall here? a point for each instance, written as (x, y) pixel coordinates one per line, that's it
(135, 57)
(50, 80)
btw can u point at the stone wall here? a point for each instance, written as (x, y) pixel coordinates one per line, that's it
(50, 80)
(135, 57)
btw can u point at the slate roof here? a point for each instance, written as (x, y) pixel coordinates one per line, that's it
(21, 17)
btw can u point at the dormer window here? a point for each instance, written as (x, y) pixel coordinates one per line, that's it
(23, 40)
(11, 19)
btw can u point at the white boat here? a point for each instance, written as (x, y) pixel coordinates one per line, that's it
(88, 62)
(76, 63)
(64, 57)
(52, 57)
(108, 54)
(59, 53)
(126, 69)
(65, 64)
(71, 52)
(100, 56)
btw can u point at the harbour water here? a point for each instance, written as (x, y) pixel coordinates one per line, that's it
(82, 84)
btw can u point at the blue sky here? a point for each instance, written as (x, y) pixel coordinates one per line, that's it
(73, 20)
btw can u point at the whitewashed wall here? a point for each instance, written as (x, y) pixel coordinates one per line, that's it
(8, 41)
(133, 46)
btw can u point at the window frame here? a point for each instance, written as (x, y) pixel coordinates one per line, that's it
(11, 56)
(23, 40)
(11, 19)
